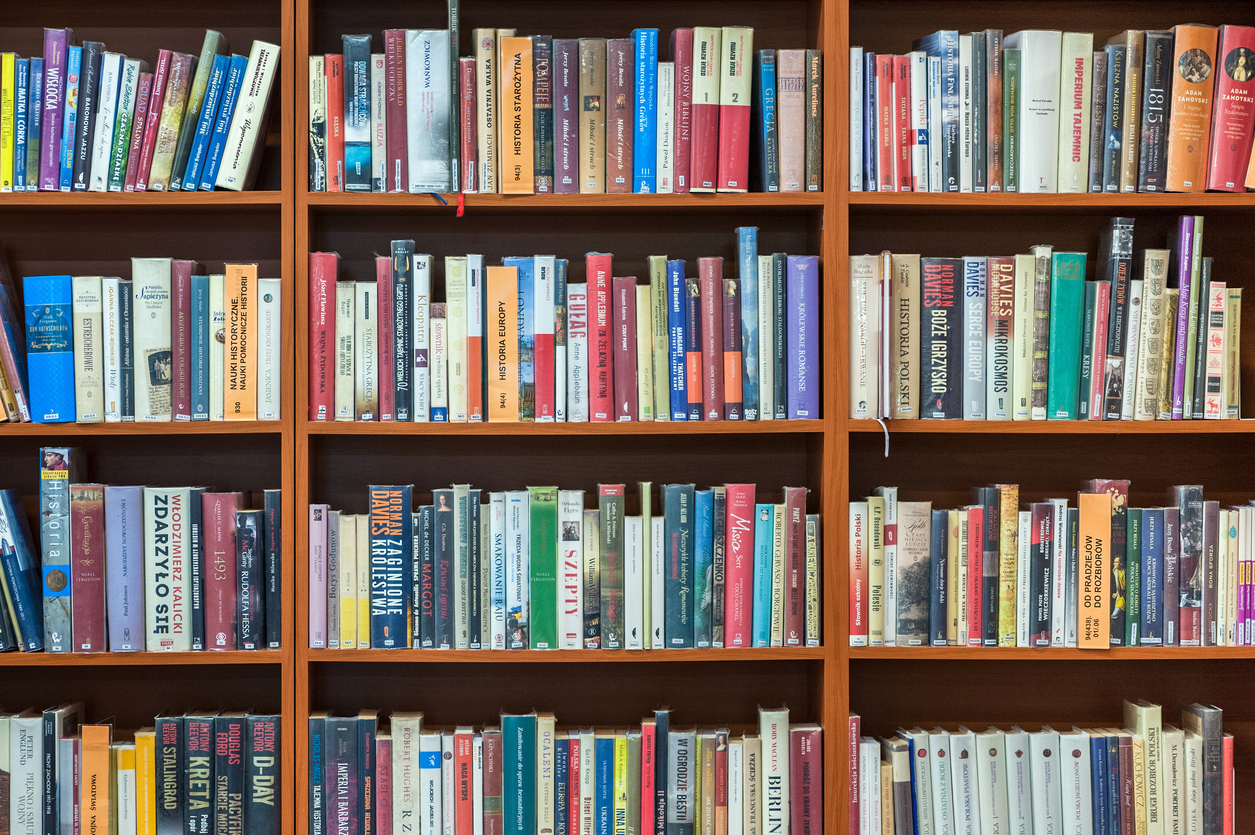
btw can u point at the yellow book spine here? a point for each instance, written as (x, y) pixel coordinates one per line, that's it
(620, 783)
(502, 333)
(348, 581)
(876, 572)
(707, 795)
(517, 165)
(1139, 785)
(1093, 601)
(1008, 561)
(363, 582)
(241, 365)
(145, 782)
(8, 103)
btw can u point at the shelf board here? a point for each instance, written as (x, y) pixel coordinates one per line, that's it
(1050, 654)
(138, 659)
(919, 200)
(662, 427)
(1057, 427)
(195, 427)
(142, 199)
(567, 201)
(565, 656)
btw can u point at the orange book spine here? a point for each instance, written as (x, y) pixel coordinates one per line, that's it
(517, 163)
(503, 336)
(94, 780)
(1189, 122)
(241, 348)
(1093, 600)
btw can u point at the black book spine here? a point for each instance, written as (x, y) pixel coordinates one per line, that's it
(1156, 95)
(50, 809)
(779, 261)
(198, 775)
(366, 730)
(229, 775)
(445, 536)
(1040, 556)
(765, 136)
(938, 570)
(1200, 340)
(317, 765)
(542, 104)
(425, 563)
(475, 555)
(814, 121)
(980, 118)
(196, 526)
(403, 323)
(941, 354)
(88, 106)
(251, 609)
(1087, 348)
(274, 568)
(1098, 121)
(170, 775)
(262, 778)
(990, 501)
(341, 775)
(8, 632)
(126, 345)
(1117, 247)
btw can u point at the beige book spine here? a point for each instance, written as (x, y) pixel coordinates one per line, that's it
(592, 142)
(1151, 339)
(151, 286)
(486, 107)
(348, 581)
(875, 570)
(904, 341)
(1135, 40)
(1232, 381)
(89, 396)
(365, 350)
(1172, 299)
(865, 281)
(644, 353)
(241, 348)
(1076, 81)
(455, 325)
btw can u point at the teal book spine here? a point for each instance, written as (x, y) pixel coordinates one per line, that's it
(518, 774)
(678, 527)
(49, 347)
(1067, 310)
(543, 534)
(703, 563)
(747, 268)
(764, 521)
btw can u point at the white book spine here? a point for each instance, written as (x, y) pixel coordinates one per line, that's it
(65, 765)
(1074, 784)
(1038, 107)
(658, 588)
(966, 796)
(456, 321)
(127, 824)
(269, 347)
(217, 347)
(110, 288)
(346, 318)
(152, 338)
(440, 367)
(935, 152)
(941, 779)
(1022, 601)
(571, 555)
(421, 336)
(856, 120)
(517, 567)
(497, 544)
(365, 350)
(544, 314)
(1047, 799)
(245, 133)
(475, 277)
(773, 729)
(26, 775)
(1174, 781)
(918, 62)
(1133, 347)
(430, 789)
(634, 582)
(378, 122)
(666, 129)
(1058, 574)
(318, 119)
(975, 281)
(767, 338)
(921, 779)
(89, 399)
(1019, 782)
(588, 782)
(477, 786)
(486, 107)
(545, 738)
(736, 785)
(865, 356)
(966, 170)
(168, 587)
(1076, 78)
(577, 344)
(406, 730)
(448, 784)
(106, 112)
(991, 784)
(869, 786)
(429, 110)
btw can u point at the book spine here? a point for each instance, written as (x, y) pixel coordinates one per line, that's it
(681, 49)
(231, 92)
(1156, 88)
(645, 111)
(704, 165)
(204, 124)
(676, 340)
(123, 508)
(736, 73)
(250, 542)
(624, 348)
(803, 338)
(600, 358)
(170, 744)
(619, 119)
(198, 324)
(544, 320)
(262, 779)
(385, 338)
(732, 349)
(693, 345)
(246, 136)
(566, 116)
(182, 335)
(1191, 107)
(542, 113)
(198, 771)
(178, 86)
(56, 42)
(143, 96)
(221, 570)
(87, 520)
(710, 271)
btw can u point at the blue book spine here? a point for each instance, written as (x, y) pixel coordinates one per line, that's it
(703, 566)
(938, 577)
(527, 335)
(747, 262)
(645, 141)
(357, 112)
(1151, 631)
(944, 44)
(391, 550)
(124, 566)
(200, 347)
(561, 785)
(251, 608)
(218, 142)
(34, 122)
(1098, 783)
(678, 510)
(1114, 785)
(603, 804)
(693, 341)
(50, 348)
(21, 571)
(205, 126)
(676, 357)
(869, 122)
(73, 75)
(764, 523)
(518, 773)
(802, 359)
(21, 118)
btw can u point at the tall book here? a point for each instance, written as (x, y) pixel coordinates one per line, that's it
(517, 162)
(1038, 107)
(1190, 110)
(736, 68)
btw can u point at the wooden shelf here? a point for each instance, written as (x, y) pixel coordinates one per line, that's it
(540, 202)
(964, 654)
(697, 427)
(1056, 427)
(195, 427)
(565, 656)
(144, 199)
(1041, 202)
(139, 659)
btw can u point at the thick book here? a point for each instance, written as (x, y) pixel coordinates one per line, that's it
(1157, 75)
(802, 341)
(542, 113)
(591, 171)
(1067, 303)
(20, 572)
(1038, 107)
(357, 152)
(567, 108)
(940, 339)
(167, 569)
(681, 50)
(49, 347)
(1115, 264)
(124, 555)
(1190, 108)
(734, 109)
(518, 159)
(645, 111)
(704, 160)
(1233, 116)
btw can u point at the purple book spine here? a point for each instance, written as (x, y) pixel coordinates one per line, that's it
(566, 76)
(318, 515)
(802, 300)
(56, 42)
(1185, 248)
(124, 567)
(1171, 571)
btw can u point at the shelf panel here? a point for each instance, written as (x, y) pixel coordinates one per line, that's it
(566, 656)
(138, 659)
(567, 201)
(196, 427)
(917, 200)
(1049, 654)
(1057, 427)
(143, 199)
(697, 427)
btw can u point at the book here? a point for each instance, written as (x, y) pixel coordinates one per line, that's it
(1189, 126)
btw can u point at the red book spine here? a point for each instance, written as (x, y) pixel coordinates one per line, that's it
(396, 176)
(1099, 362)
(704, 160)
(387, 339)
(597, 267)
(806, 784)
(383, 786)
(794, 567)
(853, 738)
(333, 69)
(1233, 109)
(649, 766)
(181, 337)
(469, 170)
(219, 569)
(493, 821)
(731, 349)
(476, 284)
(738, 586)
(164, 57)
(142, 96)
(693, 346)
(902, 121)
(322, 333)
(624, 348)
(463, 798)
(721, 782)
(734, 115)
(682, 57)
(543, 341)
(710, 281)
(886, 168)
(87, 550)
(975, 548)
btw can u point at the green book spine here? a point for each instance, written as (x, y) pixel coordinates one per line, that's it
(518, 774)
(1067, 311)
(610, 504)
(1010, 118)
(1133, 580)
(214, 44)
(544, 566)
(1191, 337)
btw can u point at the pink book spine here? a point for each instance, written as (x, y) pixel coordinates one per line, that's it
(383, 786)
(396, 174)
(600, 355)
(739, 566)
(858, 573)
(710, 283)
(853, 738)
(322, 334)
(649, 769)
(624, 330)
(975, 544)
(1099, 362)
(469, 171)
(387, 340)
(791, 112)
(318, 576)
(682, 56)
(219, 568)
(155, 98)
(137, 136)
(794, 568)
(181, 336)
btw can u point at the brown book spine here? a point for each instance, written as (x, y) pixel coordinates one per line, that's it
(1189, 121)
(592, 136)
(814, 120)
(1135, 57)
(1041, 331)
(87, 549)
(619, 95)
(710, 281)
(624, 339)
(993, 132)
